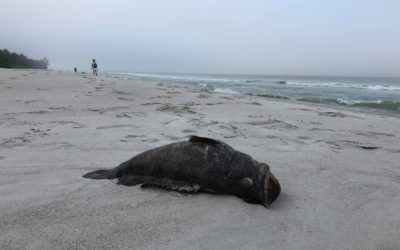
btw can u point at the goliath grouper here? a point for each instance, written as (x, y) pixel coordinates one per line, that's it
(200, 164)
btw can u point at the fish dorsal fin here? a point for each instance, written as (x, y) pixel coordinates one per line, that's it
(205, 140)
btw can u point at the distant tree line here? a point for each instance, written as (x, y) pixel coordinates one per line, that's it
(19, 61)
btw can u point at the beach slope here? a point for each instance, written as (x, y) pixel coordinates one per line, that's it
(339, 170)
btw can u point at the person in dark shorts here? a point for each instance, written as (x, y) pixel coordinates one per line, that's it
(94, 67)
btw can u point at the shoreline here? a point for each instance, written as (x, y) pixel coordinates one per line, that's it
(207, 84)
(338, 168)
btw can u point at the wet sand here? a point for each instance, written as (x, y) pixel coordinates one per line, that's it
(339, 170)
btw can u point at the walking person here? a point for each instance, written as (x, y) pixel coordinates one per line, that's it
(94, 67)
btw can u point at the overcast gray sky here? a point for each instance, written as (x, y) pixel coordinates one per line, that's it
(309, 37)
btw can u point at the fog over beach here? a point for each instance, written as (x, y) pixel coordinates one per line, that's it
(289, 37)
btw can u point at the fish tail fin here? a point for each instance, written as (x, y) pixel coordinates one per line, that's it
(100, 174)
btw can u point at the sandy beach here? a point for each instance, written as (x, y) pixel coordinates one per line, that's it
(339, 169)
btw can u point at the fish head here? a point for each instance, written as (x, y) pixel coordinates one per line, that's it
(264, 189)
(270, 188)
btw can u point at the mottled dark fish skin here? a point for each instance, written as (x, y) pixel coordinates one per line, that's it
(208, 164)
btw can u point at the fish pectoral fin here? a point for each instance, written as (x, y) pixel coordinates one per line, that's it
(179, 186)
(246, 182)
(130, 179)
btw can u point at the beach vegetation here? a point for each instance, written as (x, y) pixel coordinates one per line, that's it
(20, 61)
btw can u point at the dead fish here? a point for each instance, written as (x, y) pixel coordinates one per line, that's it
(200, 164)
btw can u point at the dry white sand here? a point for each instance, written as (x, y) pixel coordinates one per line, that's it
(339, 170)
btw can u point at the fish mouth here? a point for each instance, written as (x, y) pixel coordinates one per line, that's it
(272, 189)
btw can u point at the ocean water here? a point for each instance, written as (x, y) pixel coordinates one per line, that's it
(378, 94)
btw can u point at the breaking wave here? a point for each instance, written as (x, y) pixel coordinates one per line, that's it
(383, 105)
(342, 85)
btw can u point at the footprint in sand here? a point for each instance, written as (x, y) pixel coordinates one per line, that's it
(34, 130)
(273, 124)
(332, 114)
(74, 124)
(204, 96)
(14, 142)
(303, 109)
(216, 103)
(336, 114)
(189, 131)
(184, 108)
(371, 134)
(151, 103)
(322, 129)
(151, 140)
(171, 137)
(169, 121)
(201, 123)
(57, 108)
(32, 101)
(118, 126)
(101, 111)
(342, 144)
(128, 138)
(173, 92)
(121, 92)
(39, 112)
(129, 114)
(255, 103)
(227, 97)
(123, 115)
(303, 138)
(135, 136)
(160, 97)
(126, 99)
